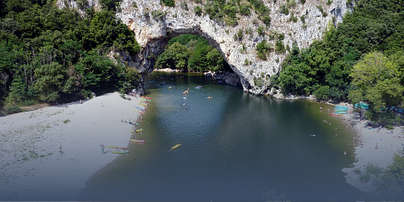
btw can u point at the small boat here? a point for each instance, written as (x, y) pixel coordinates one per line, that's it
(120, 152)
(149, 98)
(136, 141)
(175, 147)
(139, 130)
(210, 97)
(116, 147)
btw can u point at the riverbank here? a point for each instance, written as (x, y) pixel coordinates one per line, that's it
(375, 149)
(35, 146)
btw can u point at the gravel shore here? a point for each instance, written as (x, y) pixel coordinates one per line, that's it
(37, 145)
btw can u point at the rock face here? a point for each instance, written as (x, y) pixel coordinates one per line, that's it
(154, 23)
(228, 78)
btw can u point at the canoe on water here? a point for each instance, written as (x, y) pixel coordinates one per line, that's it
(137, 141)
(116, 147)
(175, 147)
(120, 152)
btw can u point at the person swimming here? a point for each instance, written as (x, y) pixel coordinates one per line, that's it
(186, 92)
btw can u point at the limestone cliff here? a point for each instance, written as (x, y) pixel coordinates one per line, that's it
(154, 23)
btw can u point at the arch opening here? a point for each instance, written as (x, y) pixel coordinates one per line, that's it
(148, 58)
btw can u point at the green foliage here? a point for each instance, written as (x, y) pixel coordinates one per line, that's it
(279, 47)
(110, 4)
(174, 57)
(376, 80)
(227, 10)
(49, 81)
(373, 25)
(320, 8)
(291, 3)
(261, 30)
(239, 35)
(284, 10)
(245, 9)
(170, 3)
(263, 48)
(105, 31)
(158, 14)
(198, 10)
(50, 55)
(322, 93)
(189, 52)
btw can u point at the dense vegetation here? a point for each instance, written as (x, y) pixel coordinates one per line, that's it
(228, 11)
(49, 54)
(192, 53)
(326, 68)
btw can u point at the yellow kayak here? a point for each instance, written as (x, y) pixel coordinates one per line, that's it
(175, 147)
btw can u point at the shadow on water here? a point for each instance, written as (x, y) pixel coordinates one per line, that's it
(234, 147)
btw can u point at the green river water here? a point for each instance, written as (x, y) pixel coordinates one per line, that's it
(234, 147)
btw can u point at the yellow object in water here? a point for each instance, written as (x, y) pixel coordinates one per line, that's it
(139, 130)
(175, 147)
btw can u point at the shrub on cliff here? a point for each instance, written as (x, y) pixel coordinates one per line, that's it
(170, 3)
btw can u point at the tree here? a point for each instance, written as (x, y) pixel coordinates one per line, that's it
(49, 81)
(215, 60)
(376, 80)
(175, 57)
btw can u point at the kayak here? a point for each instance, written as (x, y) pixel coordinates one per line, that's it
(120, 152)
(137, 141)
(175, 147)
(116, 147)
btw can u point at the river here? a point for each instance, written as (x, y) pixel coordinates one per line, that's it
(234, 146)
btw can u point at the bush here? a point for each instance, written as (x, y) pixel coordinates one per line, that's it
(279, 47)
(198, 11)
(170, 3)
(284, 10)
(263, 48)
(322, 93)
(376, 80)
(261, 30)
(245, 10)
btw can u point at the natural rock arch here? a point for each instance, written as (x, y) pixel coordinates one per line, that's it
(154, 23)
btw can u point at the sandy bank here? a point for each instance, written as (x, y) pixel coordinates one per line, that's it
(167, 70)
(35, 146)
